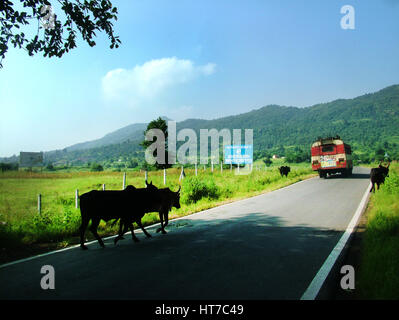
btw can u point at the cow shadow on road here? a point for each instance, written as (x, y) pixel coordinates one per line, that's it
(249, 255)
(253, 255)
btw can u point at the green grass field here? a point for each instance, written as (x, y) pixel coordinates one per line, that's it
(378, 276)
(22, 227)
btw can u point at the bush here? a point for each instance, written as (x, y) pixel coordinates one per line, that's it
(132, 164)
(268, 161)
(50, 167)
(391, 184)
(196, 189)
(8, 166)
(97, 167)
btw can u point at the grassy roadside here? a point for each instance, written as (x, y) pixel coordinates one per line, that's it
(377, 276)
(25, 232)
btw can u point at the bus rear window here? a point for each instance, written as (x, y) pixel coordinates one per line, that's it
(329, 148)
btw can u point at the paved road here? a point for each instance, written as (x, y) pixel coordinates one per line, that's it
(266, 247)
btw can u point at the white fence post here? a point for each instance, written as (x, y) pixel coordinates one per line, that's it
(212, 165)
(76, 198)
(221, 166)
(124, 181)
(182, 174)
(103, 186)
(39, 203)
(196, 171)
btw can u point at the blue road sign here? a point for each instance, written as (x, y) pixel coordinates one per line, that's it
(239, 154)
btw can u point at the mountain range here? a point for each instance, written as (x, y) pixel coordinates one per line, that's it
(366, 122)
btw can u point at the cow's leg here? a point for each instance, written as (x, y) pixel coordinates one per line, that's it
(166, 217)
(134, 238)
(161, 219)
(82, 230)
(128, 224)
(161, 216)
(373, 182)
(93, 228)
(121, 232)
(142, 228)
(119, 236)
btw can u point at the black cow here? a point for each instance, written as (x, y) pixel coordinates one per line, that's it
(378, 175)
(162, 202)
(284, 170)
(128, 205)
(149, 186)
(169, 199)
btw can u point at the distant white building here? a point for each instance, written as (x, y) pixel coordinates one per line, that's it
(275, 156)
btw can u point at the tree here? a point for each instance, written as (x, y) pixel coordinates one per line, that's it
(364, 158)
(96, 167)
(162, 125)
(58, 36)
(291, 157)
(50, 167)
(379, 154)
(267, 161)
(133, 163)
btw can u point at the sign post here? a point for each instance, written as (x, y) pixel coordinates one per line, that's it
(30, 159)
(239, 154)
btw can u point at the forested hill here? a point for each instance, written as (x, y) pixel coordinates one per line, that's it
(118, 136)
(368, 123)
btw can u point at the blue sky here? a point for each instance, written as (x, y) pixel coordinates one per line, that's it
(197, 59)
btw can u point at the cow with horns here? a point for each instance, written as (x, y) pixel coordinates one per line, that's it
(128, 205)
(378, 175)
(162, 202)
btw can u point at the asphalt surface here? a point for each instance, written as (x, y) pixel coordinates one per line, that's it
(265, 247)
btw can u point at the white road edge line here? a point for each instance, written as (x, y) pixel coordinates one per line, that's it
(147, 227)
(318, 281)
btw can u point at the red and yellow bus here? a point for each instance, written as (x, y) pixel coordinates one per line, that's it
(330, 156)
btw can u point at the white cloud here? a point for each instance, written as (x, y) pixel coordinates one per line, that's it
(147, 81)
